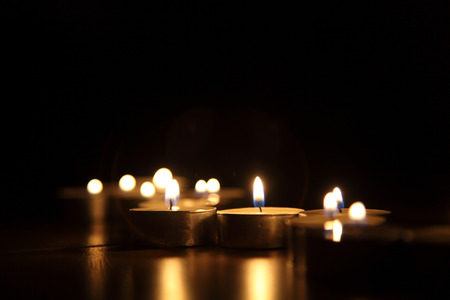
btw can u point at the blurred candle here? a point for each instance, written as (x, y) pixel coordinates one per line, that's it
(127, 183)
(162, 178)
(94, 186)
(147, 189)
(175, 226)
(200, 186)
(213, 185)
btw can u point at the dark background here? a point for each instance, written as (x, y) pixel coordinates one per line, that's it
(309, 96)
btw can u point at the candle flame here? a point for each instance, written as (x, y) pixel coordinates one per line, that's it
(172, 194)
(95, 187)
(357, 211)
(338, 194)
(200, 186)
(330, 201)
(162, 178)
(147, 189)
(127, 183)
(258, 193)
(213, 185)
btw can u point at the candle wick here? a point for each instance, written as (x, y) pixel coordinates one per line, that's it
(170, 203)
(340, 209)
(260, 209)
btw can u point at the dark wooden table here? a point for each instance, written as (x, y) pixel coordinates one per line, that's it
(66, 260)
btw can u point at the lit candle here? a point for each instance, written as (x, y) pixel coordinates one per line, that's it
(351, 243)
(127, 183)
(333, 205)
(255, 227)
(174, 226)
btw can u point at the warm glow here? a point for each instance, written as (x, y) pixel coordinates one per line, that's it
(147, 189)
(260, 276)
(162, 178)
(330, 202)
(258, 193)
(127, 183)
(337, 230)
(94, 187)
(357, 211)
(213, 199)
(213, 185)
(172, 194)
(328, 225)
(338, 194)
(173, 279)
(201, 186)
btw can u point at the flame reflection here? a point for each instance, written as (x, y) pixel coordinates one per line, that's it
(260, 279)
(173, 279)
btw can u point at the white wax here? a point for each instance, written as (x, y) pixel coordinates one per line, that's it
(318, 220)
(369, 211)
(178, 210)
(266, 211)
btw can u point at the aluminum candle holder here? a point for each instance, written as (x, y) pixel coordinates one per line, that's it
(250, 228)
(172, 226)
(183, 227)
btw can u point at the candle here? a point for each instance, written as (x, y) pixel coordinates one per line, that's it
(352, 243)
(333, 205)
(174, 226)
(255, 227)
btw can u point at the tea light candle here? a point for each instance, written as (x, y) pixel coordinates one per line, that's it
(333, 206)
(255, 227)
(175, 226)
(349, 244)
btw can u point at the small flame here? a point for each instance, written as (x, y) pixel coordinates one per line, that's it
(162, 178)
(200, 186)
(357, 211)
(147, 189)
(127, 183)
(213, 185)
(95, 187)
(330, 204)
(338, 194)
(258, 193)
(172, 194)
(330, 201)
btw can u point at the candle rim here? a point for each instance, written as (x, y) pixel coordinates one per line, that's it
(181, 210)
(372, 211)
(266, 211)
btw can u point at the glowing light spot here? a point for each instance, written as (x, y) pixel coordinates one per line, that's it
(172, 194)
(147, 189)
(258, 193)
(338, 194)
(357, 211)
(337, 230)
(95, 186)
(162, 178)
(330, 201)
(127, 183)
(213, 199)
(201, 186)
(213, 185)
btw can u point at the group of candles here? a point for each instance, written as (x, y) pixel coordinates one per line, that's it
(249, 227)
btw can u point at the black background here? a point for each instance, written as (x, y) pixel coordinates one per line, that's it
(309, 96)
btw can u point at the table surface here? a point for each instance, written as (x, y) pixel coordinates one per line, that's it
(104, 261)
